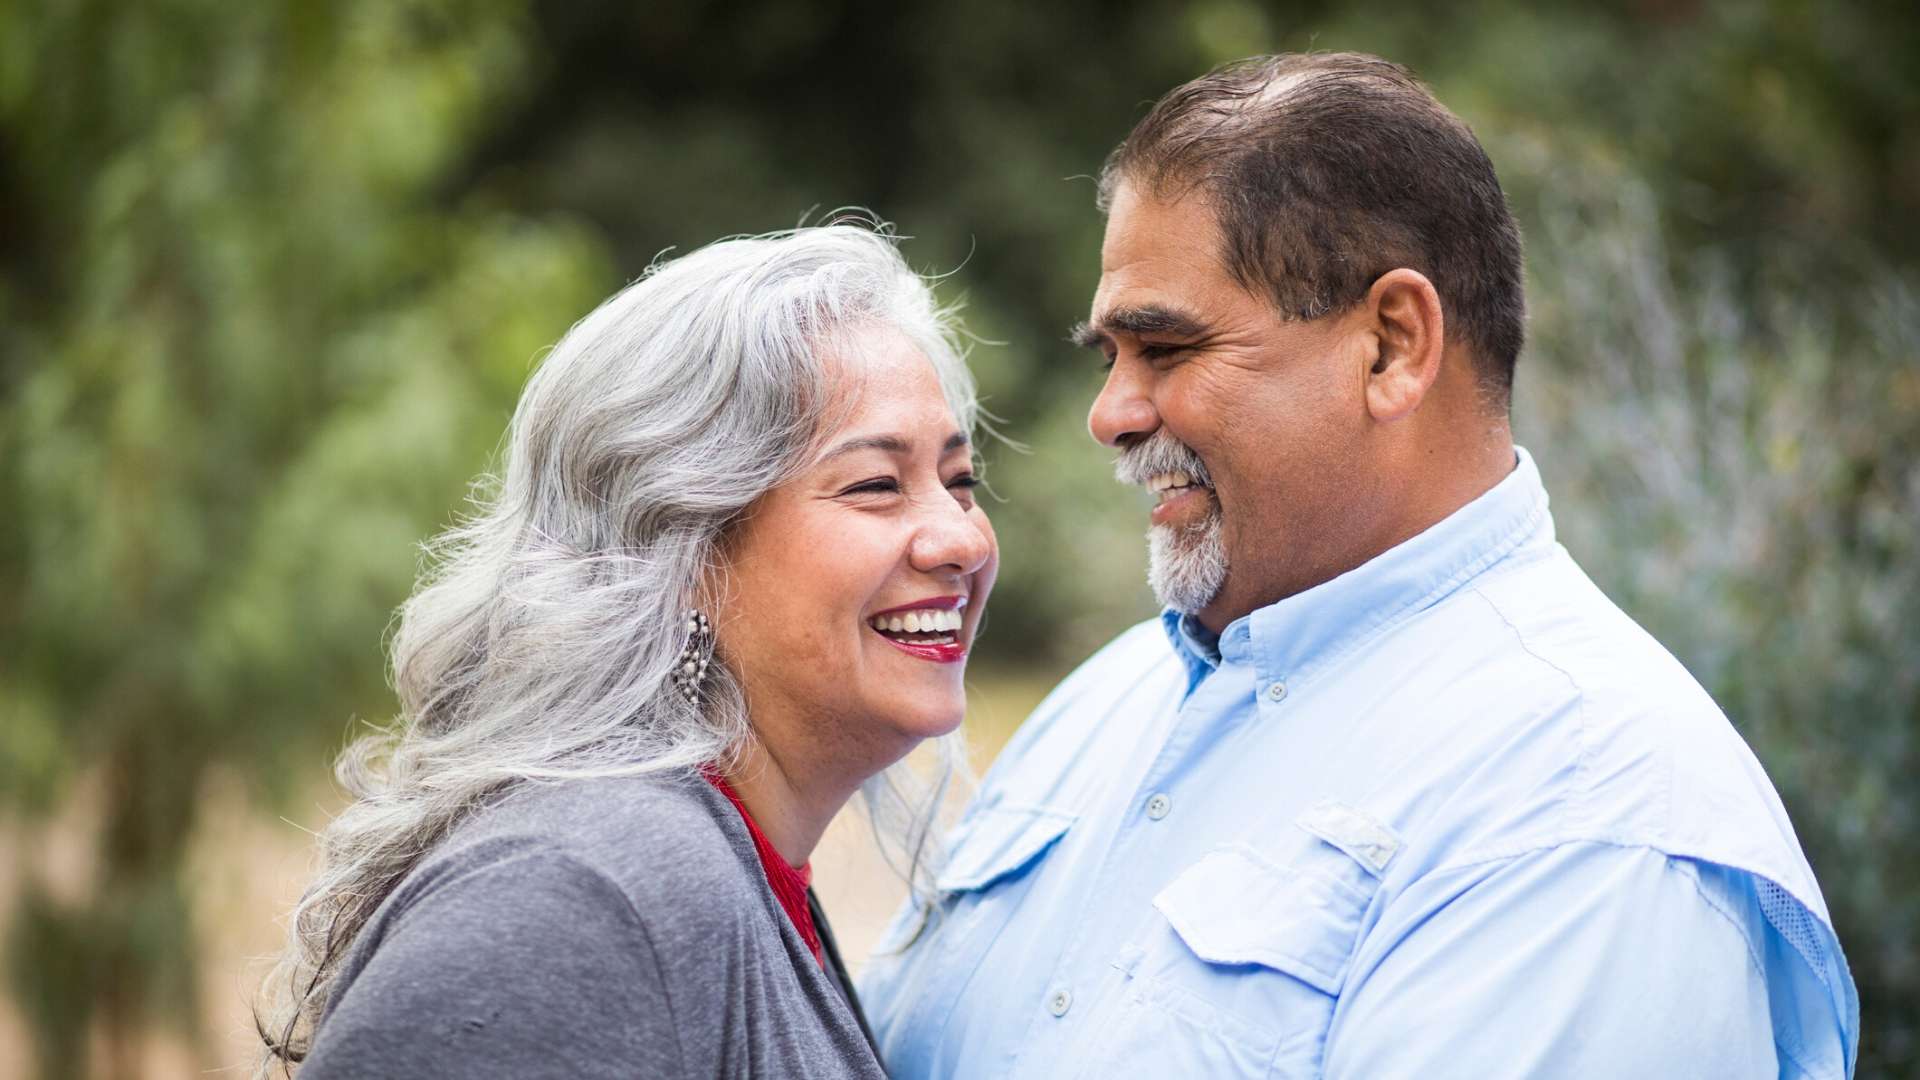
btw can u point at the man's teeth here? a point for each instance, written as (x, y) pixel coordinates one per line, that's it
(926, 621)
(1169, 480)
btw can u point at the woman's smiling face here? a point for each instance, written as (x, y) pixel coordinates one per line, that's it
(852, 592)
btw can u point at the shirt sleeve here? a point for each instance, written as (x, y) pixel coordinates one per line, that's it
(1579, 960)
(531, 967)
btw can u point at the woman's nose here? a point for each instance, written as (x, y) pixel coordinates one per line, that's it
(950, 539)
(1122, 410)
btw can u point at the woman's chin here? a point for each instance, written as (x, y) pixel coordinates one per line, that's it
(921, 722)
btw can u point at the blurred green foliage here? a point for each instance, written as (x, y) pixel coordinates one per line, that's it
(250, 356)
(271, 275)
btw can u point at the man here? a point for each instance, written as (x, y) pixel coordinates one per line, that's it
(1390, 789)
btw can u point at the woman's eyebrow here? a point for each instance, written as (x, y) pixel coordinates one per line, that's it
(891, 444)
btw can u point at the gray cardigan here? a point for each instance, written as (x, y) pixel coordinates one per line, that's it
(591, 928)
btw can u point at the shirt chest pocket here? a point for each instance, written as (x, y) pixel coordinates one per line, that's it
(999, 843)
(991, 848)
(927, 961)
(1237, 973)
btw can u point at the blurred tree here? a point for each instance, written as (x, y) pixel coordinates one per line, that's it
(249, 355)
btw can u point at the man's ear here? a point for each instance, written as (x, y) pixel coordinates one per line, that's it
(1410, 331)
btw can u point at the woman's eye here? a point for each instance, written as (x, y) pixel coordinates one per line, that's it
(879, 485)
(964, 480)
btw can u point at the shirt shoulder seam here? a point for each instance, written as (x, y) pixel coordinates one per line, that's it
(1583, 767)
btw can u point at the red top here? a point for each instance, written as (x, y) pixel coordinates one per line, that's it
(789, 885)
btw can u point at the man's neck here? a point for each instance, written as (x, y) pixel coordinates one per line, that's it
(1418, 500)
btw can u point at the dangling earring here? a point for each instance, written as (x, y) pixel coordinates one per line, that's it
(691, 668)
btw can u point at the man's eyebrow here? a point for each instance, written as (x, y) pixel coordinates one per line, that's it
(1084, 335)
(892, 444)
(1136, 322)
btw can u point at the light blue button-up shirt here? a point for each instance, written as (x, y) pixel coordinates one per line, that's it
(1449, 814)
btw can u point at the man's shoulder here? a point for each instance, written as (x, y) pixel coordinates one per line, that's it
(1128, 679)
(1638, 755)
(1644, 755)
(1555, 614)
(1137, 649)
(1622, 695)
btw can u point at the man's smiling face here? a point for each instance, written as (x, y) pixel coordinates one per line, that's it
(1274, 410)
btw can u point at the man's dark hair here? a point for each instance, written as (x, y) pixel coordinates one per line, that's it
(1326, 170)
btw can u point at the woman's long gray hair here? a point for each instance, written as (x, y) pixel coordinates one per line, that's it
(539, 643)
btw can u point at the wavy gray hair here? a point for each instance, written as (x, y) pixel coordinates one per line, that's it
(539, 644)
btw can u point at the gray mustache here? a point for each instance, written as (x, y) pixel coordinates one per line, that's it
(1161, 453)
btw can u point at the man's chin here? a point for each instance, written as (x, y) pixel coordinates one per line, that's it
(1186, 566)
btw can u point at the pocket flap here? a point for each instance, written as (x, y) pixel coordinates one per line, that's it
(1235, 906)
(998, 841)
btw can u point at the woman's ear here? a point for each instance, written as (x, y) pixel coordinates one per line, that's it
(1403, 308)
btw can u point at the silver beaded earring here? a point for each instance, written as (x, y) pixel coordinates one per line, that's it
(691, 668)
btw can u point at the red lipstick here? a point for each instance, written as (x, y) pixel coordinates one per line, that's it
(939, 654)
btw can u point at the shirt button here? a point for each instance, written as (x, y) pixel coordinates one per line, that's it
(1159, 806)
(1060, 1002)
(1277, 691)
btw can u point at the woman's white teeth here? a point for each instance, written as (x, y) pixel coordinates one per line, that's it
(929, 621)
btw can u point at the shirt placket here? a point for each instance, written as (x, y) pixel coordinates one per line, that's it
(1087, 972)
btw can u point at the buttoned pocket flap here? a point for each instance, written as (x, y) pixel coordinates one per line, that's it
(1237, 906)
(997, 842)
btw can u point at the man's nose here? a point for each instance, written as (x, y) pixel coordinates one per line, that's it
(1122, 410)
(949, 540)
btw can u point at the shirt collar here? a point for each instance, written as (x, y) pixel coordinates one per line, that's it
(1289, 640)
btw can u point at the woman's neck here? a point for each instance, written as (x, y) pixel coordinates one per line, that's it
(792, 812)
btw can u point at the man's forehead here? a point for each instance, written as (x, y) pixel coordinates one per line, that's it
(1144, 224)
(1157, 252)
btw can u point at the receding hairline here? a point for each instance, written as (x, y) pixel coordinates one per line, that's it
(1324, 170)
(1167, 173)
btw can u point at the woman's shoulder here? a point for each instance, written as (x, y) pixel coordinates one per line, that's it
(523, 943)
(655, 837)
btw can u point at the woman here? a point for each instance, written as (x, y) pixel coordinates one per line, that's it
(729, 578)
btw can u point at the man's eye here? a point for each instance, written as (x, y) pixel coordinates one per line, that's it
(879, 485)
(1150, 353)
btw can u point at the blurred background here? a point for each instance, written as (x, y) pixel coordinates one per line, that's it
(272, 274)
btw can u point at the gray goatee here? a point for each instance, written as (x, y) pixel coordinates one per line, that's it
(1186, 565)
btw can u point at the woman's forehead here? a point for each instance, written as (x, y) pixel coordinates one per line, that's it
(884, 385)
